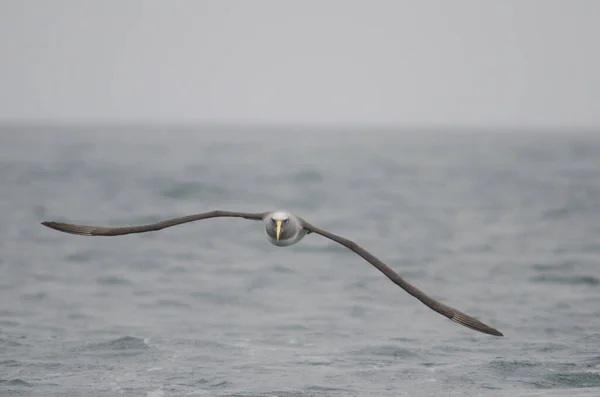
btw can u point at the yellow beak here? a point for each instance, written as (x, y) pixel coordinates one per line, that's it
(278, 230)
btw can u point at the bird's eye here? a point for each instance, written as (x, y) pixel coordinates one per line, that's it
(273, 220)
(285, 220)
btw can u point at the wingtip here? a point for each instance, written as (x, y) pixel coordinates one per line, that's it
(495, 332)
(68, 228)
(492, 331)
(50, 224)
(474, 324)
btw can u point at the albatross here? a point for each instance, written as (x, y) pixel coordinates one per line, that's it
(284, 229)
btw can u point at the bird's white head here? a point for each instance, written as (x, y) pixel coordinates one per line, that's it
(283, 228)
(277, 223)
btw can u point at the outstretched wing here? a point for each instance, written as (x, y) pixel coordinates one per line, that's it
(84, 230)
(453, 314)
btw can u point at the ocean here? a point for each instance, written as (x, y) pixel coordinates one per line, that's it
(503, 225)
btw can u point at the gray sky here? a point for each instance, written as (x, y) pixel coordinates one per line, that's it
(421, 62)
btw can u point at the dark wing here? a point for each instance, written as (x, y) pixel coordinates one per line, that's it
(84, 230)
(452, 314)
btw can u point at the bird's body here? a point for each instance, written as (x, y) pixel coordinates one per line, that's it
(291, 230)
(284, 229)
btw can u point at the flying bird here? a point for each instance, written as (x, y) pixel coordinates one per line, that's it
(285, 229)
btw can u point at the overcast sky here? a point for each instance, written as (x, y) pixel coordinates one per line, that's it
(421, 62)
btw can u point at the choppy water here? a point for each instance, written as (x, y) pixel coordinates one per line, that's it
(505, 227)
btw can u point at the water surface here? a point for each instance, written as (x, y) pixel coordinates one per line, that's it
(505, 227)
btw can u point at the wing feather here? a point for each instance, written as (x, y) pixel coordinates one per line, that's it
(85, 230)
(451, 313)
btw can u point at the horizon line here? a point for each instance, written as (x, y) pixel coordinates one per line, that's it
(256, 124)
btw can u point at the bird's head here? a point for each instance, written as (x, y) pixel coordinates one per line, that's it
(276, 225)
